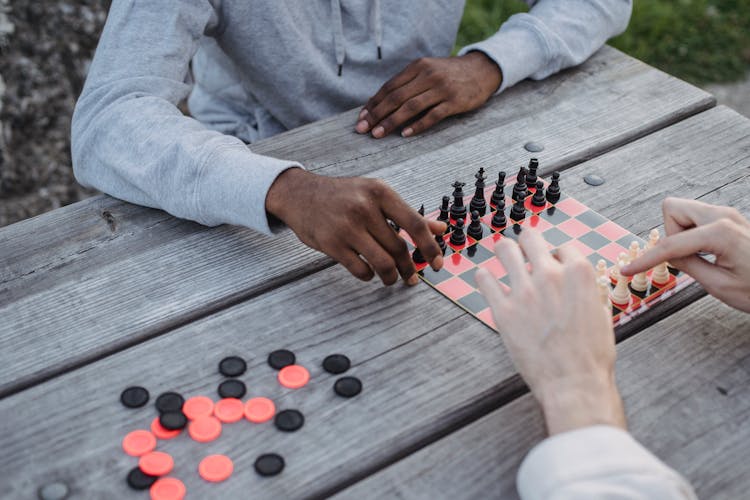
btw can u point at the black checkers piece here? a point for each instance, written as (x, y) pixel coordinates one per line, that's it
(232, 366)
(139, 480)
(336, 363)
(347, 387)
(289, 420)
(134, 397)
(169, 401)
(281, 358)
(269, 464)
(173, 420)
(232, 388)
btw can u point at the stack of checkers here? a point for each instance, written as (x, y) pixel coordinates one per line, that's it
(204, 419)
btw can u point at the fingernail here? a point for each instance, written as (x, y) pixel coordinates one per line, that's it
(378, 132)
(362, 114)
(362, 126)
(407, 132)
(437, 264)
(413, 280)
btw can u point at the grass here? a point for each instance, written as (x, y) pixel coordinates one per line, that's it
(701, 41)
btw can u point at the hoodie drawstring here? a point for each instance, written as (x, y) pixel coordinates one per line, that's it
(339, 42)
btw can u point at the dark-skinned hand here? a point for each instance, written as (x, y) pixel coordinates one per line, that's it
(428, 91)
(347, 219)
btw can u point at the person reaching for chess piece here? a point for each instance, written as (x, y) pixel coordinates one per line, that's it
(567, 355)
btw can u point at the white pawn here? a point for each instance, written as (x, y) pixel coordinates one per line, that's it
(614, 273)
(639, 283)
(653, 239)
(633, 251)
(660, 274)
(601, 268)
(603, 283)
(621, 293)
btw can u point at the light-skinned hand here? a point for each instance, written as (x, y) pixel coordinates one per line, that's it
(557, 332)
(692, 227)
(427, 91)
(347, 219)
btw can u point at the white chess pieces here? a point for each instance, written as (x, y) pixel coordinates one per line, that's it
(601, 269)
(653, 239)
(639, 283)
(614, 273)
(603, 284)
(660, 274)
(633, 251)
(621, 294)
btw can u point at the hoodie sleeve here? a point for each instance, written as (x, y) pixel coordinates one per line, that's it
(553, 35)
(129, 139)
(597, 462)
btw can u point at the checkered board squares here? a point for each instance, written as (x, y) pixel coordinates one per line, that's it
(568, 222)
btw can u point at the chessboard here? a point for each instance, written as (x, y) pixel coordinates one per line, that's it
(561, 219)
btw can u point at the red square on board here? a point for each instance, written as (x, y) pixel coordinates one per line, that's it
(406, 237)
(486, 317)
(612, 231)
(571, 207)
(490, 241)
(611, 252)
(584, 249)
(495, 267)
(538, 223)
(573, 228)
(457, 263)
(454, 288)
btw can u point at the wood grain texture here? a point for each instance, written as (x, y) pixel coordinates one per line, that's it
(133, 273)
(416, 354)
(686, 386)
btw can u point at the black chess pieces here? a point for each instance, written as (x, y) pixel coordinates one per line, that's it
(475, 227)
(441, 242)
(538, 200)
(531, 177)
(458, 209)
(444, 210)
(498, 195)
(478, 202)
(458, 237)
(421, 210)
(417, 256)
(499, 220)
(553, 190)
(520, 191)
(518, 212)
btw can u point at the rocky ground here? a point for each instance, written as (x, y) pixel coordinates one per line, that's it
(45, 49)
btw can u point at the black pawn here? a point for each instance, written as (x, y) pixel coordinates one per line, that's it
(520, 190)
(458, 237)
(553, 191)
(417, 256)
(478, 202)
(475, 227)
(458, 209)
(499, 220)
(538, 200)
(518, 212)
(531, 177)
(444, 210)
(421, 210)
(498, 195)
(441, 242)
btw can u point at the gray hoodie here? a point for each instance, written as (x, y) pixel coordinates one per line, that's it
(264, 66)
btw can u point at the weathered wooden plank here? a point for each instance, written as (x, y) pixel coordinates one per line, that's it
(416, 354)
(686, 386)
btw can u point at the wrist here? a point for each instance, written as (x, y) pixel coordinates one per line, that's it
(281, 195)
(490, 74)
(568, 406)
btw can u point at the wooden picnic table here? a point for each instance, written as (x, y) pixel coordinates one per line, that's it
(102, 294)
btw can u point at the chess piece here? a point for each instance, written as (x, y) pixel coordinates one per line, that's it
(601, 268)
(621, 294)
(531, 177)
(475, 227)
(417, 256)
(444, 210)
(441, 242)
(421, 210)
(518, 212)
(639, 283)
(458, 209)
(478, 202)
(520, 190)
(499, 220)
(653, 239)
(539, 200)
(498, 194)
(633, 251)
(458, 237)
(604, 289)
(660, 274)
(553, 190)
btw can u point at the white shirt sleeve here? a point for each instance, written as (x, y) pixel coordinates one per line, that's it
(597, 462)
(553, 35)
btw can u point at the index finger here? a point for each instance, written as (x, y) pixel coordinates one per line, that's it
(678, 245)
(399, 80)
(396, 209)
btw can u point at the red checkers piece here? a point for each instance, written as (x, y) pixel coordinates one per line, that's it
(160, 432)
(198, 406)
(215, 468)
(138, 443)
(229, 410)
(204, 429)
(168, 488)
(156, 463)
(294, 376)
(259, 410)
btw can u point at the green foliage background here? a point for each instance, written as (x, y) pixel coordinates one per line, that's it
(701, 41)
